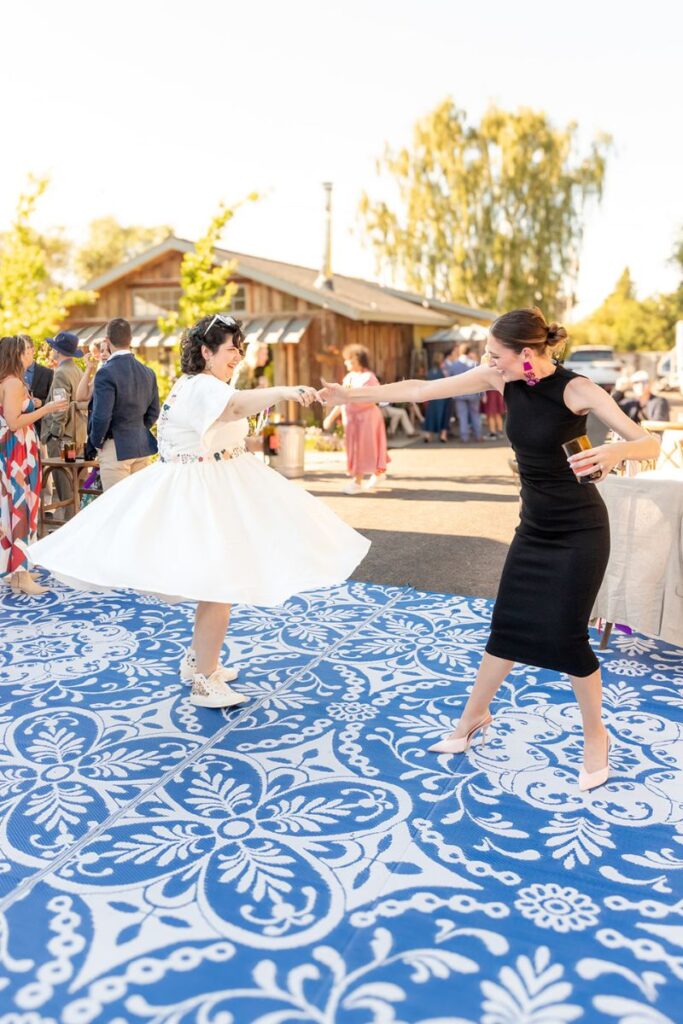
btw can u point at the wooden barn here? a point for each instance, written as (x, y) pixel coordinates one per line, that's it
(305, 317)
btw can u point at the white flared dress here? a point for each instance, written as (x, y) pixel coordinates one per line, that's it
(207, 522)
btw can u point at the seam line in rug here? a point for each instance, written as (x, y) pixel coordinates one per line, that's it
(25, 886)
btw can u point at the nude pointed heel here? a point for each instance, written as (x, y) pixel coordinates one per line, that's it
(24, 583)
(458, 745)
(591, 780)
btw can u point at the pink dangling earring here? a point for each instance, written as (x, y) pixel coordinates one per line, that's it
(531, 377)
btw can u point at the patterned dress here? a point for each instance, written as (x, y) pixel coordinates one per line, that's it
(20, 481)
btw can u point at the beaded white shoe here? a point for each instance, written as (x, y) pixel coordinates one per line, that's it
(188, 667)
(211, 692)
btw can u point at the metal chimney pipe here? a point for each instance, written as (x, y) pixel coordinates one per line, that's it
(324, 278)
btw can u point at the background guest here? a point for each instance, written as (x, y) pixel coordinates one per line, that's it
(397, 416)
(20, 472)
(493, 407)
(652, 406)
(643, 404)
(438, 413)
(247, 374)
(97, 354)
(38, 380)
(125, 406)
(67, 427)
(364, 431)
(466, 406)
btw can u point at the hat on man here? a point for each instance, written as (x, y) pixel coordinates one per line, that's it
(66, 344)
(640, 377)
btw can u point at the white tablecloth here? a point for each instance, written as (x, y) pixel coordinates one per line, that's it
(643, 584)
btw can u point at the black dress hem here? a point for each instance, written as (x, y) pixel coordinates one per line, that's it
(582, 670)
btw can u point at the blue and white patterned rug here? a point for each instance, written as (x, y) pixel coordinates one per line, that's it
(303, 858)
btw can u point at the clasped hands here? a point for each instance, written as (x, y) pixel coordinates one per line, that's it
(329, 394)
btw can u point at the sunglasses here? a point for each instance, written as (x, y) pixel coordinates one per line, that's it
(225, 320)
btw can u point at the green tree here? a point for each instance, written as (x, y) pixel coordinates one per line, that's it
(488, 214)
(627, 323)
(31, 301)
(109, 243)
(206, 286)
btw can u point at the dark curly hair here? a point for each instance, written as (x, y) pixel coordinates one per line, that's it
(191, 359)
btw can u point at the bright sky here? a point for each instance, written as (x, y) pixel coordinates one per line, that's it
(154, 111)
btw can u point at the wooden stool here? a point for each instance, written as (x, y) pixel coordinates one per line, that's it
(76, 473)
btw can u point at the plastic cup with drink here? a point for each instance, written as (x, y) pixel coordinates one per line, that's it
(573, 447)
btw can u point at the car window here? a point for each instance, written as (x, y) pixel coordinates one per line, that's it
(592, 356)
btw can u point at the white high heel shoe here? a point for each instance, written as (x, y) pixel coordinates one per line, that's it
(591, 780)
(459, 744)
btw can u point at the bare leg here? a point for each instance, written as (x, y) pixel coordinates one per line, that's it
(210, 624)
(588, 692)
(492, 672)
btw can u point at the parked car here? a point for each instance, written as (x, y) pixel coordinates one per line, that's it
(597, 362)
(669, 372)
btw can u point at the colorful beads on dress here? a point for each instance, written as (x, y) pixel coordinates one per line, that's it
(224, 453)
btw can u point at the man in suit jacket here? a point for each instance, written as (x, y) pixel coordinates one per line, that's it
(125, 405)
(38, 379)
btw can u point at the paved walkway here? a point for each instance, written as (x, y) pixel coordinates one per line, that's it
(443, 522)
(446, 518)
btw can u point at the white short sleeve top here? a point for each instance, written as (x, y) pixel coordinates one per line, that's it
(190, 428)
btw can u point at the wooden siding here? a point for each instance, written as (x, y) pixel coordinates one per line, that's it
(318, 354)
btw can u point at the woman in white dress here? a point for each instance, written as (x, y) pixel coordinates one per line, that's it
(207, 522)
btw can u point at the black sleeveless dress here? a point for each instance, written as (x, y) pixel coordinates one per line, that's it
(559, 554)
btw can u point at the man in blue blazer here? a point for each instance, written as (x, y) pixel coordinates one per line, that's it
(125, 405)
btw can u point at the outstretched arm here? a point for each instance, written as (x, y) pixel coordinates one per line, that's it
(332, 416)
(582, 395)
(255, 400)
(482, 378)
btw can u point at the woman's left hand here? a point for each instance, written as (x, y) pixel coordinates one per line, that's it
(604, 458)
(332, 394)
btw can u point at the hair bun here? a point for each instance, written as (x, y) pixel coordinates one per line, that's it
(556, 334)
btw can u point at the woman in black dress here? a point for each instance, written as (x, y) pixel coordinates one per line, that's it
(559, 553)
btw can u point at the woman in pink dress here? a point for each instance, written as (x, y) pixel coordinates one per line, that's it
(364, 430)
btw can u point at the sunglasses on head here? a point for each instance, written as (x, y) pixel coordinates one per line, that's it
(224, 319)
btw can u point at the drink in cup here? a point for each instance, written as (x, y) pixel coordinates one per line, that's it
(59, 394)
(573, 447)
